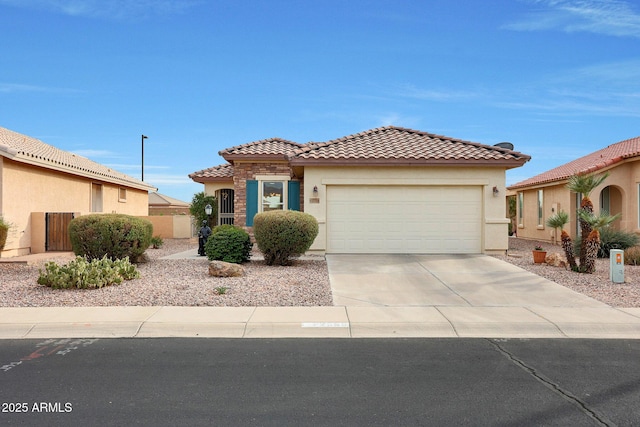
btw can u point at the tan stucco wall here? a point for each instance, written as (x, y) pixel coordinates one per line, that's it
(624, 179)
(171, 226)
(210, 188)
(494, 233)
(27, 189)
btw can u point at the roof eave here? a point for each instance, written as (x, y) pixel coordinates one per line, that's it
(85, 174)
(254, 157)
(404, 162)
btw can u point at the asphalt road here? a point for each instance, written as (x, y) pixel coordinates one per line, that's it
(349, 382)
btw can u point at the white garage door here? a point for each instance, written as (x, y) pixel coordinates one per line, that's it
(389, 219)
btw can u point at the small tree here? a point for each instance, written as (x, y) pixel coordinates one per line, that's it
(558, 221)
(198, 203)
(590, 224)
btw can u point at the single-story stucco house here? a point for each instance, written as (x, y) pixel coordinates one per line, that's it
(42, 188)
(545, 194)
(385, 190)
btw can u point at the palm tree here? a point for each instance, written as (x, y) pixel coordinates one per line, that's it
(559, 220)
(592, 242)
(584, 184)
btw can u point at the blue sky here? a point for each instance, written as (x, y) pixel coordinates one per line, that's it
(557, 78)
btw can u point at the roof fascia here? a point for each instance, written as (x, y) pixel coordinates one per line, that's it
(72, 171)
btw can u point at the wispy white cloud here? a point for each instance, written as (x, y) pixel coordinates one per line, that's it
(439, 94)
(167, 179)
(611, 17)
(110, 9)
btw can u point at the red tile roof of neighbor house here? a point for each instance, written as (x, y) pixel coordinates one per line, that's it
(594, 162)
(216, 173)
(25, 149)
(272, 148)
(392, 145)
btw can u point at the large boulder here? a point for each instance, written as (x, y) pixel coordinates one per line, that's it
(555, 259)
(225, 269)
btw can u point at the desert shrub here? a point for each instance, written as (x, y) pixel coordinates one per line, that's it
(282, 235)
(4, 232)
(115, 236)
(228, 243)
(83, 274)
(157, 242)
(632, 255)
(615, 239)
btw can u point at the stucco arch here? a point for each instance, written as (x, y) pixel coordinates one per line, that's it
(612, 199)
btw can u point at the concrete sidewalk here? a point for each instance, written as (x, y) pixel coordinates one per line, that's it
(375, 296)
(319, 322)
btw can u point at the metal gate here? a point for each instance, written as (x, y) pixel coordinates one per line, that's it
(225, 206)
(57, 229)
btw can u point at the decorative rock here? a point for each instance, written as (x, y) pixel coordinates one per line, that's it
(556, 260)
(225, 269)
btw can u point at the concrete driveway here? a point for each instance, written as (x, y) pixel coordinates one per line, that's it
(443, 280)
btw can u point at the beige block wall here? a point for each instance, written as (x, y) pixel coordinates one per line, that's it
(495, 222)
(27, 189)
(171, 227)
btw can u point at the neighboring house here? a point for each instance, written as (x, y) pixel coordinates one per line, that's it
(386, 190)
(159, 204)
(43, 187)
(545, 194)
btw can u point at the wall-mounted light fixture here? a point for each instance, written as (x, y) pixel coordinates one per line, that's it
(495, 191)
(315, 191)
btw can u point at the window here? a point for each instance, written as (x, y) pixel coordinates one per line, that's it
(122, 194)
(540, 209)
(520, 209)
(605, 200)
(578, 202)
(96, 198)
(265, 195)
(273, 196)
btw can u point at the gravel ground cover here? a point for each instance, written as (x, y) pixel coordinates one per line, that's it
(596, 285)
(183, 282)
(186, 282)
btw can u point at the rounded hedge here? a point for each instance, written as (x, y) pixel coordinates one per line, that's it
(282, 235)
(228, 243)
(115, 236)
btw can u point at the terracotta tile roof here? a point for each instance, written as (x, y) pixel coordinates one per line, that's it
(598, 160)
(25, 149)
(160, 200)
(400, 146)
(216, 173)
(271, 148)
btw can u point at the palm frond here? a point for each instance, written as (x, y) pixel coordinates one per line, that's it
(558, 220)
(585, 183)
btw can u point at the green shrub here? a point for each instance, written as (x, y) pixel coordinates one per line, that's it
(229, 244)
(157, 242)
(282, 235)
(632, 255)
(615, 239)
(115, 236)
(4, 232)
(83, 274)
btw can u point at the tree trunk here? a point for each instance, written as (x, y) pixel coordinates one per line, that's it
(592, 246)
(567, 246)
(585, 230)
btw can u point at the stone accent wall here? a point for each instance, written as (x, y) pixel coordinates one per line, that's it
(248, 171)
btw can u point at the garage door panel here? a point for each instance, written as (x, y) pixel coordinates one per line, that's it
(380, 219)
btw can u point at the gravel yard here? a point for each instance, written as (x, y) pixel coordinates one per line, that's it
(597, 285)
(184, 282)
(187, 283)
